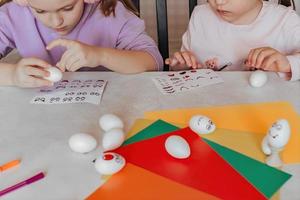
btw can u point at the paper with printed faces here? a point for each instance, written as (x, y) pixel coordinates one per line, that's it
(71, 91)
(182, 81)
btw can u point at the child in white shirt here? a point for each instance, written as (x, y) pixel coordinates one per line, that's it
(241, 35)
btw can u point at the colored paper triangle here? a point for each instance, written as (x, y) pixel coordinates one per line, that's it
(135, 183)
(265, 178)
(204, 170)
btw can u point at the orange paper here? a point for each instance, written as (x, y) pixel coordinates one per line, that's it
(136, 183)
(255, 118)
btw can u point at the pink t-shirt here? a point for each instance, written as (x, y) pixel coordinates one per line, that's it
(217, 42)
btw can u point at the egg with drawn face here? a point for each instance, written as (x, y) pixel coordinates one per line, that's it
(279, 134)
(109, 163)
(202, 124)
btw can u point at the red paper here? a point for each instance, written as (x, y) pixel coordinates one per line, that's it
(204, 170)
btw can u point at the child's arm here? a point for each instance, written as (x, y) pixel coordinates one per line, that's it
(27, 72)
(80, 55)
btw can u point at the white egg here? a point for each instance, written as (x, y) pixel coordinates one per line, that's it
(201, 124)
(55, 74)
(113, 139)
(110, 121)
(82, 143)
(279, 133)
(177, 147)
(258, 78)
(109, 163)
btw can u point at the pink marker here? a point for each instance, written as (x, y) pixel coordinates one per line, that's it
(23, 183)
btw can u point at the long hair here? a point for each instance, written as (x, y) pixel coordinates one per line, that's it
(107, 6)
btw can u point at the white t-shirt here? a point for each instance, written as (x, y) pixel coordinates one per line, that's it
(209, 37)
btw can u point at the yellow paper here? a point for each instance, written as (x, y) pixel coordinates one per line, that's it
(254, 118)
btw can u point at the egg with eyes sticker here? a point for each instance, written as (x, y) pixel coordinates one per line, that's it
(201, 124)
(277, 137)
(109, 163)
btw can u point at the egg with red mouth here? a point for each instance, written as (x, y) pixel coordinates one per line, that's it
(109, 163)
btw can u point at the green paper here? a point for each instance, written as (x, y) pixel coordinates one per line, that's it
(265, 178)
(156, 129)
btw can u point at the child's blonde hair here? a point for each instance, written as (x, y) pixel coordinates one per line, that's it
(107, 6)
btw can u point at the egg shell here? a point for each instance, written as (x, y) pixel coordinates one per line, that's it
(113, 139)
(82, 143)
(177, 147)
(258, 78)
(201, 124)
(279, 133)
(109, 163)
(110, 121)
(55, 74)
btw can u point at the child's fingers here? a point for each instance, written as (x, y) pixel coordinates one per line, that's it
(35, 62)
(194, 62)
(39, 82)
(269, 62)
(262, 56)
(64, 59)
(168, 61)
(187, 58)
(171, 61)
(73, 61)
(75, 66)
(60, 42)
(34, 71)
(179, 57)
(254, 59)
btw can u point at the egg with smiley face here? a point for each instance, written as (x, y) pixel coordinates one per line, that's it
(201, 124)
(277, 137)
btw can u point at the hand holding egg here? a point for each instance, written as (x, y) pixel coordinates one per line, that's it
(55, 74)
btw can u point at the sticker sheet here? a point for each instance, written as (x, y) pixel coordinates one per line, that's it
(71, 91)
(182, 81)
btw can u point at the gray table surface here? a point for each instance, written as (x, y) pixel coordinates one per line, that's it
(38, 134)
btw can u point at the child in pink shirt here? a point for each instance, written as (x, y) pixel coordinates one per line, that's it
(242, 35)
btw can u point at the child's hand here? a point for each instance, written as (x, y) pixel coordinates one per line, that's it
(76, 56)
(29, 72)
(21, 2)
(268, 59)
(183, 60)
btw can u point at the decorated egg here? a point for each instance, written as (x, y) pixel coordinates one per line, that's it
(82, 143)
(113, 139)
(201, 124)
(109, 163)
(279, 134)
(258, 78)
(110, 121)
(177, 147)
(55, 74)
